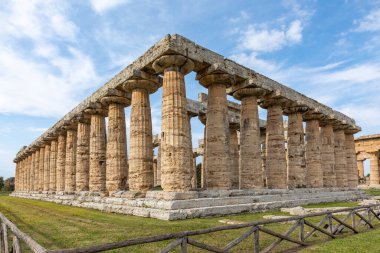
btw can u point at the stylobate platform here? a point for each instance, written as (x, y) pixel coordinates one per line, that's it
(196, 204)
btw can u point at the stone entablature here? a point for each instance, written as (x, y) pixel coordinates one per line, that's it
(165, 65)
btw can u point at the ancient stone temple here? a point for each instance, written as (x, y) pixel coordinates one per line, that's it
(368, 147)
(247, 164)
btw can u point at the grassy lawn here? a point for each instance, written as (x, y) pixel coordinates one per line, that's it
(57, 226)
(373, 192)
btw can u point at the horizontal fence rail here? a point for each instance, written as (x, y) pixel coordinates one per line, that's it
(330, 225)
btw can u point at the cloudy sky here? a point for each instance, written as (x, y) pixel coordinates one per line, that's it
(53, 54)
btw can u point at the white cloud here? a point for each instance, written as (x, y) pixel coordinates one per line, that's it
(369, 23)
(46, 79)
(101, 6)
(262, 39)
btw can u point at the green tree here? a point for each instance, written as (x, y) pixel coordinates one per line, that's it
(1, 183)
(9, 184)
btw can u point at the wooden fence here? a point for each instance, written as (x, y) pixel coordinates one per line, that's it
(354, 220)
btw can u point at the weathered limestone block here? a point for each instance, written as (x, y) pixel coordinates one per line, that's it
(374, 179)
(275, 146)
(250, 167)
(83, 155)
(141, 175)
(352, 169)
(97, 181)
(117, 160)
(217, 152)
(361, 168)
(314, 174)
(61, 161)
(71, 145)
(53, 165)
(175, 130)
(47, 168)
(41, 169)
(234, 157)
(340, 158)
(36, 169)
(328, 155)
(296, 148)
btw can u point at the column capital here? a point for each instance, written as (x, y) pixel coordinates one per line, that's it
(150, 85)
(96, 109)
(202, 118)
(352, 130)
(268, 102)
(115, 100)
(313, 115)
(250, 91)
(173, 62)
(214, 75)
(83, 118)
(295, 109)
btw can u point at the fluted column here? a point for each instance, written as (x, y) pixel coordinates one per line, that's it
(234, 156)
(374, 169)
(41, 169)
(36, 169)
(202, 118)
(193, 164)
(263, 156)
(275, 145)
(32, 169)
(340, 158)
(158, 165)
(314, 173)
(53, 165)
(328, 155)
(361, 168)
(61, 161)
(71, 146)
(352, 167)
(141, 175)
(29, 172)
(83, 155)
(250, 167)
(47, 168)
(296, 148)
(98, 142)
(217, 127)
(117, 160)
(175, 131)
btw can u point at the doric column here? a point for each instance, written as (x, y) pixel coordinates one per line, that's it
(193, 164)
(155, 171)
(61, 161)
(234, 156)
(217, 127)
(328, 155)
(352, 167)
(314, 173)
(36, 168)
(47, 167)
(251, 173)
(117, 160)
(41, 169)
(263, 151)
(30, 184)
(17, 174)
(202, 118)
(275, 145)
(97, 181)
(296, 147)
(340, 158)
(71, 146)
(83, 154)
(19, 168)
(361, 168)
(158, 165)
(141, 175)
(175, 131)
(32, 170)
(53, 165)
(374, 169)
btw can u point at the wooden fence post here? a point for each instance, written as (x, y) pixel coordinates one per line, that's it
(256, 241)
(5, 238)
(16, 245)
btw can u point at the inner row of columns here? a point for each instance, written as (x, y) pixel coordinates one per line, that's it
(84, 158)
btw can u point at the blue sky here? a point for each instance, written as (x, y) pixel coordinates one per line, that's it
(53, 54)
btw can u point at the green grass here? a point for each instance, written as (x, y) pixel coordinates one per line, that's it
(58, 226)
(2, 193)
(372, 192)
(332, 204)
